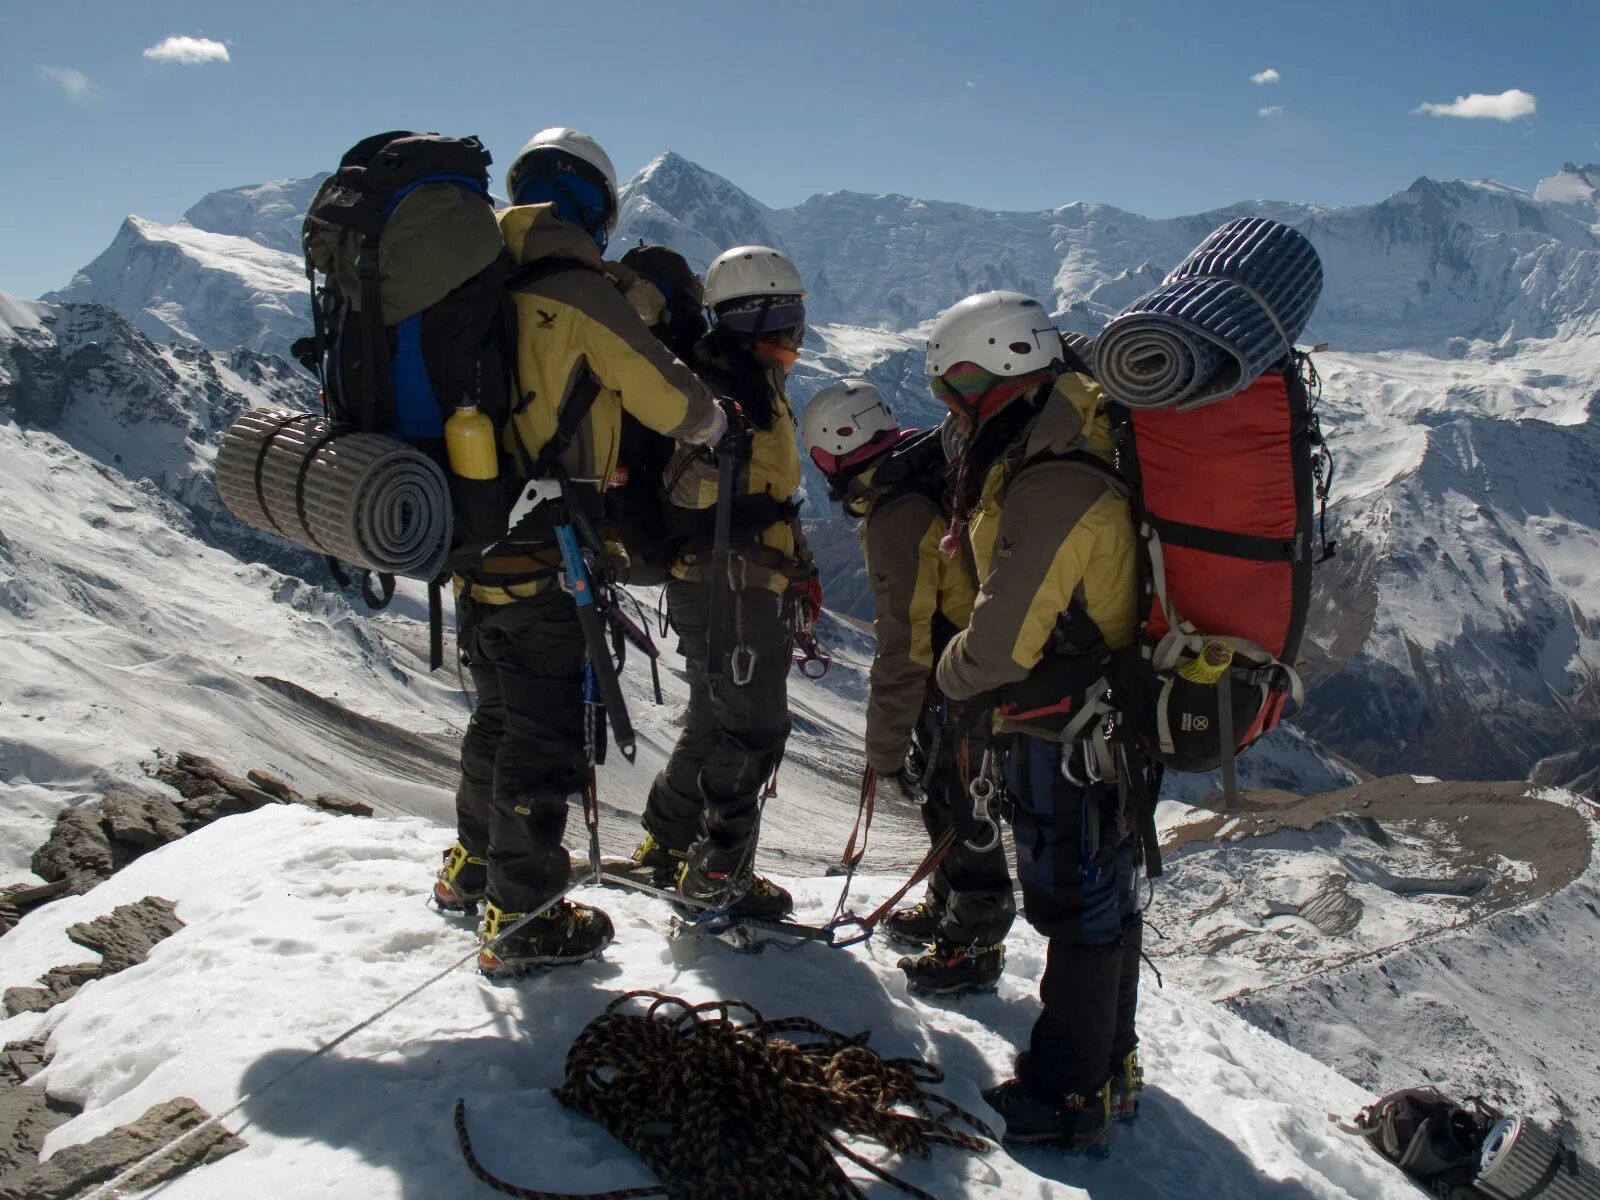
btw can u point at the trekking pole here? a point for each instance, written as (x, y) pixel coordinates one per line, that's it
(721, 554)
(594, 635)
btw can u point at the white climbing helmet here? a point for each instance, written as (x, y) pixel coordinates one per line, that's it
(581, 147)
(842, 421)
(1005, 333)
(747, 271)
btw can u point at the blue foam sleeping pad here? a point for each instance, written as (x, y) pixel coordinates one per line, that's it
(1229, 311)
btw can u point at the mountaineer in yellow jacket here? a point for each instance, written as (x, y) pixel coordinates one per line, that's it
(523, 754)
(1055, 547)
(893, 481)
(701, 818)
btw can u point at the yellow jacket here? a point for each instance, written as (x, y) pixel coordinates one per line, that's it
(569, 320)
(774, 552)
(913, 582)
(589, 317)
(1045, 531)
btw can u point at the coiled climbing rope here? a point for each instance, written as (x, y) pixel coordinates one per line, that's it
(723, 1104)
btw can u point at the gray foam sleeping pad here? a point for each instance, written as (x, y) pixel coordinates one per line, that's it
(364, 498)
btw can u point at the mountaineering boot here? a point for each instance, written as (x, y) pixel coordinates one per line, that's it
(567, 933)
(743, 893)
(460, 884)
(659, 863)
(1076, 1124)
(948, 970)
(1127, 1081)
(914, 926)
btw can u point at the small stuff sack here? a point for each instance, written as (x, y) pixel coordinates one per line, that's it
(412, 316)
(1224, 495)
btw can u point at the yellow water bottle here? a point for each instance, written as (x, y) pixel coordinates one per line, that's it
(469, 443)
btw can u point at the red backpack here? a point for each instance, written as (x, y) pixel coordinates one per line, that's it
(1225, 496)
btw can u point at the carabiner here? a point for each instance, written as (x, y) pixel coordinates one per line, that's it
(981, 814)
(983, 792)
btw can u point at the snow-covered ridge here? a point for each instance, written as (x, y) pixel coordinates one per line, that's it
(298, 925)
(187, 284)
(1458, 311)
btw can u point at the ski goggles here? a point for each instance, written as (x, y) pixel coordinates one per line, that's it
(769, 318)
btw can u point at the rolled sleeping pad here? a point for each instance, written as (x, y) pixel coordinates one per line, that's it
(1521, 1161)
(363, 498)
(1226, 315)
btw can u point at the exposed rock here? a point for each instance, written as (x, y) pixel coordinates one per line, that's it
(203, 768)
(144, 821)
(275, 787)
(126, 935)
(79, 851)
(122, 937)
(334, 802)
(1332, 908)
(73, 1170)
(22, 898)
(27, 1114)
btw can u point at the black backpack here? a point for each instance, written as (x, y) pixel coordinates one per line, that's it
(634, 505)
(412, 316)
(1430, 1137)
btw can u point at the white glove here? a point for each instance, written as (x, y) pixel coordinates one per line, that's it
(711, 432)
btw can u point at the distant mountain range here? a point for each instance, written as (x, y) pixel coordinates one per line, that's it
(1458, 632)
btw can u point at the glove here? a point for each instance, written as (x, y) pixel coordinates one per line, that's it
(711, 432)
(898, 786)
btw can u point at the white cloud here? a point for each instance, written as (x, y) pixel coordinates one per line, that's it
(188, 50)
(1272, 110)
(1270, 75)
(1507, 106)
(74, 84)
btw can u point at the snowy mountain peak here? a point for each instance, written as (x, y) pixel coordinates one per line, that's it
(182, 283)
(268, 213)
(699, 213)
(1573, 185)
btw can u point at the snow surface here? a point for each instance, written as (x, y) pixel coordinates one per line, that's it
(1501, 1007)
(299, 924)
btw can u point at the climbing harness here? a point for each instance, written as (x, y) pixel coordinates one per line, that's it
(718, 1101)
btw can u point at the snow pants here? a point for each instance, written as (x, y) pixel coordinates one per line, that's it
(971, 889)
(733, 732)
(523, 754)
(1076, 861)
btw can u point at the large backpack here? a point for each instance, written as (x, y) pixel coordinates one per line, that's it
(1224, 496)
(412, 316)
(1433, 1139)
(1224, 500)
(634, 504)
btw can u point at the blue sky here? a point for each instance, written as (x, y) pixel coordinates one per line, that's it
(1004, 103)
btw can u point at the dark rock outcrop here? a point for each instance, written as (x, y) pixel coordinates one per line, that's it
(123, 938)
(29, 1113)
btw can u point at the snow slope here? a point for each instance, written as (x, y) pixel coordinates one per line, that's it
(297, 925)
(1502, 1008)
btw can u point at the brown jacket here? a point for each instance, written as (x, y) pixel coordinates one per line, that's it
(913, 582)
(1045, 531)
